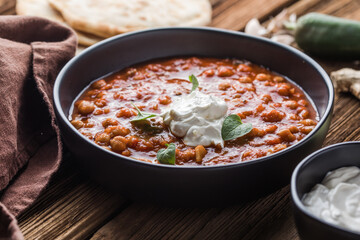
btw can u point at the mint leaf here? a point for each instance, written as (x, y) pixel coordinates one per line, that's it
(233, 128)
(167, 156)
(194, 81)
(142, 115)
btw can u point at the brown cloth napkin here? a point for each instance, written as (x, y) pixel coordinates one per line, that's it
(32, 52)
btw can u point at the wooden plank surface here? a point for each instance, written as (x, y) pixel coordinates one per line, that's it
(73, 207)
(70, 208)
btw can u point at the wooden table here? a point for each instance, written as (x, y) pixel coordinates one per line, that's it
(73, 207)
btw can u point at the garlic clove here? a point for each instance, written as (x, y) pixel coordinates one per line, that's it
(253, 27)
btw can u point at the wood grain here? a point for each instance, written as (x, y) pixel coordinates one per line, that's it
(234, 14)
(7, 7)
(70, 208)
(75, 208)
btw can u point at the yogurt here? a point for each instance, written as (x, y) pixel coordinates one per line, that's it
(197, 118)
(337, 199)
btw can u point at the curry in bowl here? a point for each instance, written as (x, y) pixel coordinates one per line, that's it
(194, 111)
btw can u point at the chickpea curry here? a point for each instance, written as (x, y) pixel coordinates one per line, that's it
(124, 112)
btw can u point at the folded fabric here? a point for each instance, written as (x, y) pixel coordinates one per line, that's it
(32, 52)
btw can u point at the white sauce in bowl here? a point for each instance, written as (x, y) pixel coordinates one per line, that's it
(198, 118)
(337, 199)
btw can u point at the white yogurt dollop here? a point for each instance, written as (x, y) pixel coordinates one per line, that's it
(337, 198)
(198, 118)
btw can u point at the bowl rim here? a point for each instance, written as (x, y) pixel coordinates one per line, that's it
(293, 186)
(89, 50)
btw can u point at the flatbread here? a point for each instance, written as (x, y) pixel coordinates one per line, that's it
(41, 8)
(107, 18)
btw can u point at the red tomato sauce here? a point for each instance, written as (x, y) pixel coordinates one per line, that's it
(279, 111)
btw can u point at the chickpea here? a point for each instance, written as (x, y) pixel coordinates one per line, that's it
(89, 124)
(291, 104)
(139, 95)
(246, 154)
(109, 122)
(308, 122)
(102, 138)
(195, 60)
(186, 66)
(298, 95)
(294, 117)
(118, 95)
(153, 67)
(238, 88)
(224, 85)
(244, 68)
(209, 73)
(256, 132)
(132, 141)
(93, 93)
(107, 148)
(154, 106)
(117, 131)
(286, 135)
(304, 114)
(126, 112)
(126, 152)
(276, 105)
(250, 88)
(272, 116)
(77, 124)
(277, 148)
(186, 155)
(278, 79)
(77, 103)
(139, 76)
(144, 146)
(293, 129)
(303, 102)
(262, 77)
(259, 108)
(98, 84)
(268, 83)
(101, 94)
(224, 72)
(131, 72)
(273, 140)
(266, 98)
(245, 80)
(118, 143)
(87, 134)
(165, 100)
(100, 103)
(86, 107)
(306, 129)
(107, 87)
(200, 153)
(271, 128)
(284, 89)
(98, 112)
(149, 74)
(242, 116)
(247, 113)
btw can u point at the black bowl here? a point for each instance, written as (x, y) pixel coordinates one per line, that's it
(311, 171)
(184, 185)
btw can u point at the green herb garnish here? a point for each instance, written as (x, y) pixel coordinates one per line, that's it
(167, 156)
(233, 128)
(142, 115)
(194, 81)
